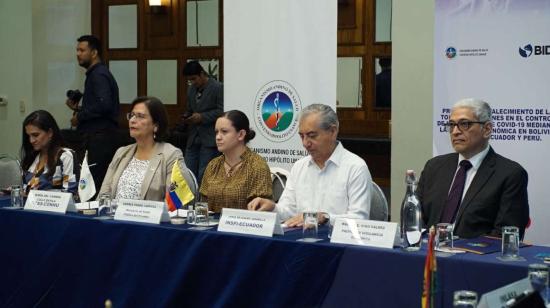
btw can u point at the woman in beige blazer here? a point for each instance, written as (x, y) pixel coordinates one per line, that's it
(142, 170)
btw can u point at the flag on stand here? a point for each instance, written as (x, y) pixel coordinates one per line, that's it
(430, 273)
(179, 192)
(86, 185)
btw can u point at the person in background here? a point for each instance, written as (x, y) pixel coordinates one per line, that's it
(142, 171)
(330, 180)
(476, 189)
(96, 118)
(239, 175)
(46, 163)
(204, 106)
(383, 83)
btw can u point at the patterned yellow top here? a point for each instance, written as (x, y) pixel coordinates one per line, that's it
(251, 180)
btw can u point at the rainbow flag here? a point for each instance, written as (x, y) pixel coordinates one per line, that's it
(430, 273)
(179, 192)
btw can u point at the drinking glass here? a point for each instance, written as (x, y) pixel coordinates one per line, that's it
(201, 210)
(330, 223)
(444, 236)
(105, 202)
(510, 243)
(309, 229)
(538, 276)
(465, 299)
(190, 215)
(114, 206)
(16, 198)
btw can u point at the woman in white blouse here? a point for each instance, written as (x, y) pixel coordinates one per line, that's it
(142, 170)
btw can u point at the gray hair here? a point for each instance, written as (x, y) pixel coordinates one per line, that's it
(481, 109)
(327, 115)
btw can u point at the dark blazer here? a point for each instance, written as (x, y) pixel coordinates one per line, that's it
(496, 197)
(210, 108)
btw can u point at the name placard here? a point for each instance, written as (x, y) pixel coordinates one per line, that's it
(152, 212)
(87, 205)
(249, 222)
(50, 201)
(364, 232)
(498, 298)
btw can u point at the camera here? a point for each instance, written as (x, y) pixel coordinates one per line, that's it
(74, 95)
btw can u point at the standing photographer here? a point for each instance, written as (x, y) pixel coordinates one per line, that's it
(97, 117)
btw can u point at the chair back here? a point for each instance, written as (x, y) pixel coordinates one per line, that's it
(278, 179)
(10, 171)
(378, 204)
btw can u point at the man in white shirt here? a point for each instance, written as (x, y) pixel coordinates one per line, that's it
(330, 180)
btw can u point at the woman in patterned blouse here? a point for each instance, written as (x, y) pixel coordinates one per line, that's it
(46, 164)
(239, 175)
(142, 171)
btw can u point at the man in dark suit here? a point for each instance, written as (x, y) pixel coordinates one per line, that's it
(475, 188)
(204, 106)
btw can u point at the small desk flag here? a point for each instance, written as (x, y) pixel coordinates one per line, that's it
(179, 192)
(86, 185)
(430, 273)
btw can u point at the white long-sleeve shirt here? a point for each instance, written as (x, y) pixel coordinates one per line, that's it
(341, 189)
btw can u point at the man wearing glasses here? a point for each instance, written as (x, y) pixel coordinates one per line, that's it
(476, 189)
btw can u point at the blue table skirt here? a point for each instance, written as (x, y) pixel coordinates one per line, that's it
(4, 200)
(67, 260)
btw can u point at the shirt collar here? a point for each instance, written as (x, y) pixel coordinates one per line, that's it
(335, 157)
(93, 67)
(244, 156)
(208, 82)
(476, 159)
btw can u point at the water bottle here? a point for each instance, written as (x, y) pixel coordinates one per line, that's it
(190, 215)
(411, 215)
(16, 198)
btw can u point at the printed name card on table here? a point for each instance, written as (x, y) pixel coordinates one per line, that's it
(152, 212)
(249, 222)
(364, 232)
(50, 201)
(498, 298)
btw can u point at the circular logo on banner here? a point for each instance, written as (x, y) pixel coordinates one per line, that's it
(450, 52)
(526, 51)
(276, 109)
(83, 183)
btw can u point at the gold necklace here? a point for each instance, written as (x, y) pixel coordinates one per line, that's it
(231, 168)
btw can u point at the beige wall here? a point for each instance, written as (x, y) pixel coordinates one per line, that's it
(56, 25)
(16, 70)
(412, 68)
(37, 61)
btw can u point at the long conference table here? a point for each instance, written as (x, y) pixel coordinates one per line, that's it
(53, 260)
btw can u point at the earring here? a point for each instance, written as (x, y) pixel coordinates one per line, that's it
(154, 136)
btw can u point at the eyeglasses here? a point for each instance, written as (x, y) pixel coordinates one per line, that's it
(139, 116)
(462, 125)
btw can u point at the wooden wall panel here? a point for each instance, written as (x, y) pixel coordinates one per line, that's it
(164, 37)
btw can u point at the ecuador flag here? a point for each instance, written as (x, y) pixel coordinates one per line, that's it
(179, 192)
